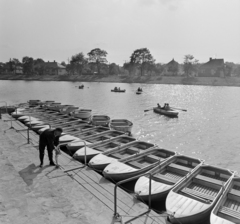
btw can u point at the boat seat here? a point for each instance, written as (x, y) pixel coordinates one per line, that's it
(154, 157)
(117, 155)
(230, 212)
(234, 192)
(136, 164)
(197, 193)
(179, 167)
(209, 179)
(133, 149)
(165, 178)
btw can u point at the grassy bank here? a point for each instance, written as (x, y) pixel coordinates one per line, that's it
(210, 81)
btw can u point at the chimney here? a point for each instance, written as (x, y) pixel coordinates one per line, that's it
(210, 59)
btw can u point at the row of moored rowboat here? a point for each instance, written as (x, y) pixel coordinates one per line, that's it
(193, 191)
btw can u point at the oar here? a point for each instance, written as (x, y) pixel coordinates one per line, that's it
(148, 110)
(179, 109)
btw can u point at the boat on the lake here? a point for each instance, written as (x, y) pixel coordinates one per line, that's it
(100, 120)
(136, 164)
(139, 90)
(121, 125)
(227, 209)
(100, 161)
(201, 189)
(81, 87)
(82, 113)
(165, 176)
(169, 112)
(118, 90)
(103, 146)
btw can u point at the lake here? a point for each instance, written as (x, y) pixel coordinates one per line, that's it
(208, 130)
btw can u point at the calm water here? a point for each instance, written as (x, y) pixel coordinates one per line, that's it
(208, 130)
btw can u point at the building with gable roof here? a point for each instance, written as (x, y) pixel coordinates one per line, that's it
(54, 68)
(173, 68)
(214, 67)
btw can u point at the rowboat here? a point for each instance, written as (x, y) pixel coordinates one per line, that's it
(118, 90)
(102, 146)
(93, 138)
(81, 87)
(121, 125)
(82, 113)
(34, 102)
(227, 209)
(136, 164)
(165, 176)
(100, 161)
(201, 189)
(101, 120)
(74, 146)
(169, 113)
(54, 106)
(63, 125)
(138, 92)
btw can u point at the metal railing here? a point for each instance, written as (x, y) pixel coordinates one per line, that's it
(116, 215)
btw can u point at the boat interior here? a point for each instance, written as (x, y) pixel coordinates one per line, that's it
(176, 169)
(147, 159)
(230, 207)
(131, 150)
(103, 137)
(206, 184)
(115, 143)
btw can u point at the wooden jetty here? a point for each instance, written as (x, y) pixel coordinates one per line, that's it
(103, 190)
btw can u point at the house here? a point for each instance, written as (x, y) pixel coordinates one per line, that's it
(54, 68)
(214, 67)
(18, 69)
(173, 68)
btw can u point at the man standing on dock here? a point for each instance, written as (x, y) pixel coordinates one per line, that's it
(49, 138)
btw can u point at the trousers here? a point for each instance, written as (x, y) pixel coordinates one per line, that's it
(42, 147)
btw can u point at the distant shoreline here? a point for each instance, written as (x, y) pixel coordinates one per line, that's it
(206, 81)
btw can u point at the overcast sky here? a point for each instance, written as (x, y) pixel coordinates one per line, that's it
(58, 29)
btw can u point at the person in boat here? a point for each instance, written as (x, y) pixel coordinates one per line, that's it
(115, 88)
(118, 88)
(49, 138)
(166, 106)
(159, 106)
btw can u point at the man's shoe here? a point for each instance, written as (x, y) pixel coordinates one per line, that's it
(41, 165)
(52, 164)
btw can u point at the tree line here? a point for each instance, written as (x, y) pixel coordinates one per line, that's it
(141, 62)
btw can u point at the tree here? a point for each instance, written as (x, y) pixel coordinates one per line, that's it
(189, 64)
(28, 63)
(63, 63)
(113, 69)
(98, 57)
(39, 66)
(78, 63)
(143, 58)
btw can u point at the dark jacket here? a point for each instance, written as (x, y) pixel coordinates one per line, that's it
(47, 138)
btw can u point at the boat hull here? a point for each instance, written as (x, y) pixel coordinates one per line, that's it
(169, 113)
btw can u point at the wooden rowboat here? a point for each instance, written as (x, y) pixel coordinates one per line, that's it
(121, 125)
(227, 209)
(100, 120)
(165, 176)
(201, 190)
(169, 113)
(100, 161)
(82, 113)
(118, 90)
(136, 164)
(138, 92)
(103, 146)
(93, 138)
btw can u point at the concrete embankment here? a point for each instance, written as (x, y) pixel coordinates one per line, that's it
(209, 81)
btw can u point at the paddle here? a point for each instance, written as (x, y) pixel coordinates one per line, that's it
(148, 110)
(179, 109)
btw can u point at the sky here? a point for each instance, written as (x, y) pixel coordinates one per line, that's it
(58, 29)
